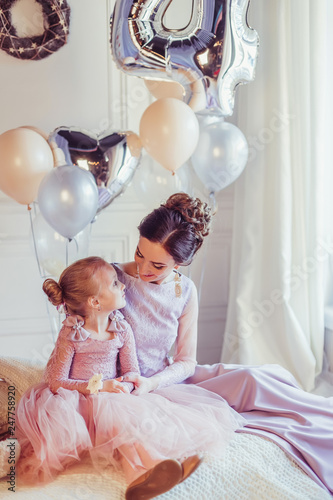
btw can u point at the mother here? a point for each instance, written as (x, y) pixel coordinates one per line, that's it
(162, 308)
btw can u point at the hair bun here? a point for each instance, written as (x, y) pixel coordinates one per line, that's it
(193, 210)
(53, 291)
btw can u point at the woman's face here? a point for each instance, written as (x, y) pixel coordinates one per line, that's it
(154, 263)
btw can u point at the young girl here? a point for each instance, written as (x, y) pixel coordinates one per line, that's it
(85, 408)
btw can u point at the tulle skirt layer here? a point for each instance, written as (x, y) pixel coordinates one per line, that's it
(55, 430)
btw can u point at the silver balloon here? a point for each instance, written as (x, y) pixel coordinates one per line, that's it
(216, 51)
(220, 156)
(111, 158)
(68, 199)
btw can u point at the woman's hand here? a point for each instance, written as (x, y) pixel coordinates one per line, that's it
(115, 385)
(142, 385)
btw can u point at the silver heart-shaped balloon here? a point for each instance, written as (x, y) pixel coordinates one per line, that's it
(111, 157)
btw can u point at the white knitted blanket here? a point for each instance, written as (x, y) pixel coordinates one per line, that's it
(253, 468)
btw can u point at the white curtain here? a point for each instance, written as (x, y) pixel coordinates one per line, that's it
(280, 244)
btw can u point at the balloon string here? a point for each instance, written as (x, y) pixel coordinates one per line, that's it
(212, 201)
(76, 245)
(35, 246)
(203, 269)
(53, 321)
(53, 332)
(67, 243)
(35, 210)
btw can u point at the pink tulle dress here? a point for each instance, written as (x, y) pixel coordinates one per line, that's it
(267, 396)
(59, 422)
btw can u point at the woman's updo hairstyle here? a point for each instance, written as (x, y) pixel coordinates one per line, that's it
(179, 225)
(76, 284)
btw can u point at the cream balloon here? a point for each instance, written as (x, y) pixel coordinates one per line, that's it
(58, 156)
(160, 89)
(134, 144)
(25, 158)
(169, 132)
(38, 130)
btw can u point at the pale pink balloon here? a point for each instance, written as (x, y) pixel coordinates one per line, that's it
(169, 132)
(25, 158)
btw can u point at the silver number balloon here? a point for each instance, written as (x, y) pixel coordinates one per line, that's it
(112, 158)
(215, 52)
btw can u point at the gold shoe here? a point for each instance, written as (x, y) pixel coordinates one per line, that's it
(189, 465)
(156, 481)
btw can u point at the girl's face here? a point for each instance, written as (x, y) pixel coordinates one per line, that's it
(154, 263)
(111, 295)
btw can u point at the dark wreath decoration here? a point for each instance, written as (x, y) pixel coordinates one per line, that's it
(56, 14)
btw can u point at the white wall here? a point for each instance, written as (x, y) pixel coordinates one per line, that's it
(80, 86)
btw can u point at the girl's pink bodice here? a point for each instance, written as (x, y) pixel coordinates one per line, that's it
(76, 357)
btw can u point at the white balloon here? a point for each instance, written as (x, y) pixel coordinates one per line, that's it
(53, 251)
(207, 117)
(154, 184)
(221, 154)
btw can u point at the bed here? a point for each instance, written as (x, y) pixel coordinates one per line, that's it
(252, 467)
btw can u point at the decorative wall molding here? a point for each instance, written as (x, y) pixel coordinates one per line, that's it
(24, 326)
(112, 101)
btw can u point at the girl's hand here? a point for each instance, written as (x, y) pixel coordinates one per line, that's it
(142, 385)
(115, 385)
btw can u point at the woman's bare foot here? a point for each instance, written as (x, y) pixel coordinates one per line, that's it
(156, 481)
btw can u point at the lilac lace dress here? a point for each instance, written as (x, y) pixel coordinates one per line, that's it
(59, 421)
(267, 396)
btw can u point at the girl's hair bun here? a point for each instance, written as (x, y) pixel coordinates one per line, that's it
(53, 291)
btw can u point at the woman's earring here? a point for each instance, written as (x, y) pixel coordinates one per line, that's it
(178, 285)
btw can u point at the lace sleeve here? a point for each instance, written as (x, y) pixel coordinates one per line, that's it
(186, 345)
(128, 360)
(59, 365)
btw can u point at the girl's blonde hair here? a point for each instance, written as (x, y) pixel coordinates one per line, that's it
(77, 283)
